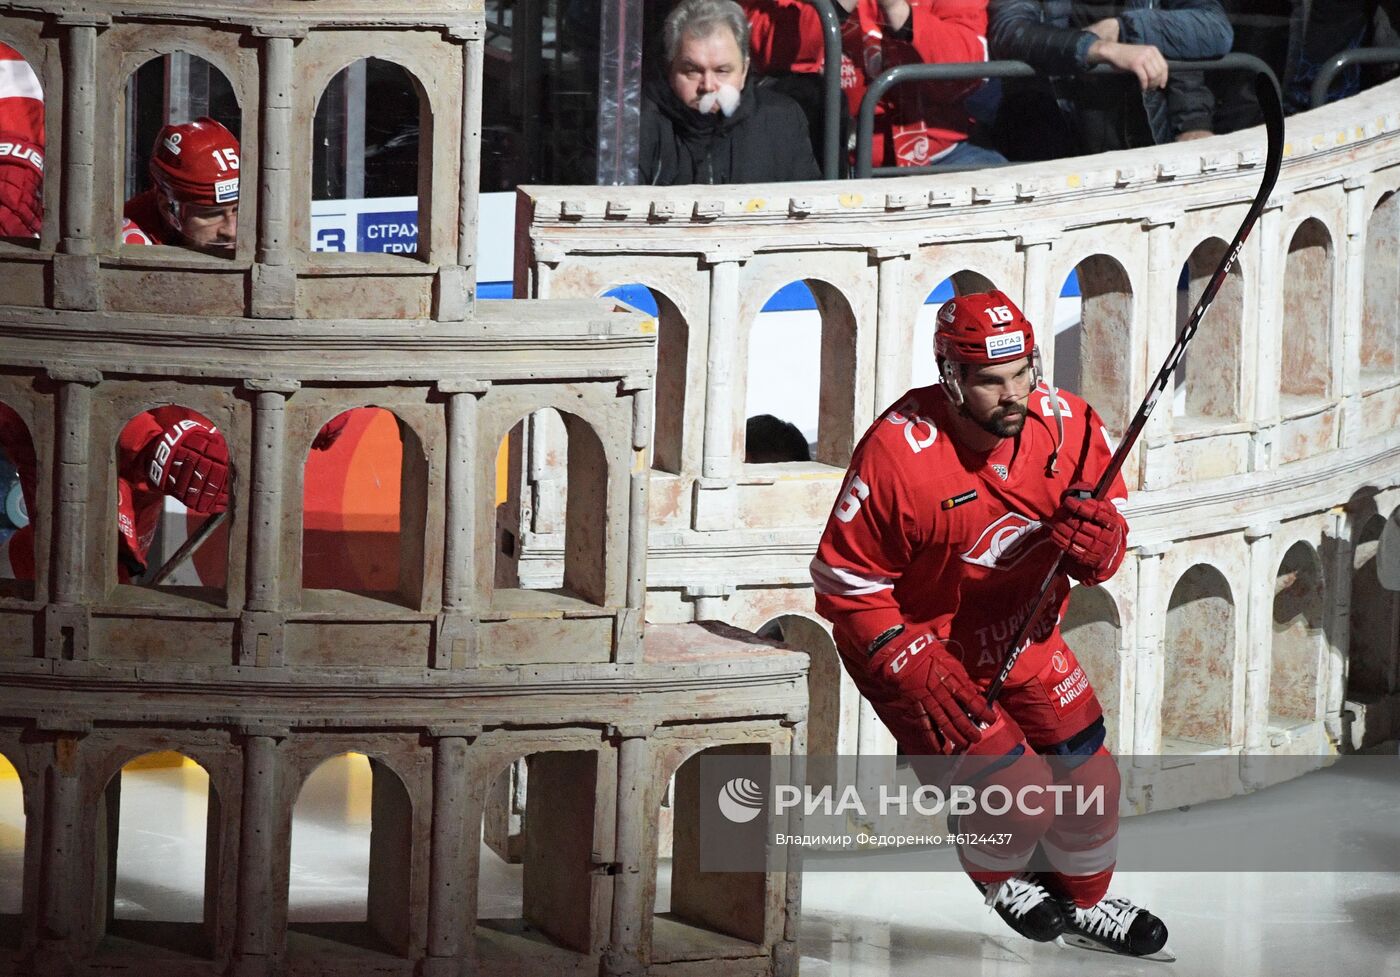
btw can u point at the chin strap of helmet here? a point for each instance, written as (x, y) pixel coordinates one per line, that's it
(1050, 466)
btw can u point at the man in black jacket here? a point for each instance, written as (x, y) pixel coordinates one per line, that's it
(708, 121)
(1064, 37)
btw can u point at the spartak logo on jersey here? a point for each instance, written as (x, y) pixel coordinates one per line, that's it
(1004, 543)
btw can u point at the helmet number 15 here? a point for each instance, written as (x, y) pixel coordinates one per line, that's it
(227, 159)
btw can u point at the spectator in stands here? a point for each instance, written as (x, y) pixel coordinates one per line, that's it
(916, 124)
(708, 121)
(1138, 37)
(769, 439)
(1334, 27)
(1271, 30)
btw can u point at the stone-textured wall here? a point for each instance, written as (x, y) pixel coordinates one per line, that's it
(447, 680)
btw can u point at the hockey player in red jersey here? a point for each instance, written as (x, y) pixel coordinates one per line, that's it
(194, 201)
(21, 147)
(166, 451)
(956, 504)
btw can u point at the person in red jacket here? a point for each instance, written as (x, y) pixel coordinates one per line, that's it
(957, 502)
(917, 123)
(21, 147)
(194, 201)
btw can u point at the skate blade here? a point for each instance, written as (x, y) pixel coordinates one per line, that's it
(1078, 942)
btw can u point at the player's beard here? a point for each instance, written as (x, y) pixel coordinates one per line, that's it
(1004, 422)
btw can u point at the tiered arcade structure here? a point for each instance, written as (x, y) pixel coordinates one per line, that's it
(1248, 618)
(445, 680)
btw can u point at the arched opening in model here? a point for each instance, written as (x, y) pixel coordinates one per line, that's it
(157, 847)
(1380, 308)
(833, 712)
(551, 508)
(12, 842)
(364, 509)
(371, 161)
(800, 369)
(172, 89)
(542, 906)
(22, 164)
(923, 365)
(351, 883)
(1198, 639)
(1094, 358)
(1295, 667)
(713, 913)
(1093, 629)
(672, 372)
(1305, 366)
(1371, 650)
(1206, 386)
(18, 501)
(174, 478)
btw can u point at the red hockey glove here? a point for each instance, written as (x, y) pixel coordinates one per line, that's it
(916, 666)
(21, 187)
(1090, 532)
(189, 462)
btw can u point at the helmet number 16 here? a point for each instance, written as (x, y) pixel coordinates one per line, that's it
(999, 314)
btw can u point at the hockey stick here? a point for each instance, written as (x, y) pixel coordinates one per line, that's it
(1270, 105)
(186, 550)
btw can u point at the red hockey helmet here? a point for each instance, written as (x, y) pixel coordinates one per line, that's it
(982, 327)
(196, 163)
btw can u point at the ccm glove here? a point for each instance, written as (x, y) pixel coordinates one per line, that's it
(189, 462)
(1091, 532)
(915, 666)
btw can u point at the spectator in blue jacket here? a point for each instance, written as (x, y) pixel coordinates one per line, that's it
(1065, 37)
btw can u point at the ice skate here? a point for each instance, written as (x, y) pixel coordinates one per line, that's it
(1115, 925)
(1027, 906)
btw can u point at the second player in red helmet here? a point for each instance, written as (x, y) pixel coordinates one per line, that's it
(193, 203)
(956, 504)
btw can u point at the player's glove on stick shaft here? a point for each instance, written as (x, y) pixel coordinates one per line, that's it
(1091, 532)
(189, 462)
(916, 666)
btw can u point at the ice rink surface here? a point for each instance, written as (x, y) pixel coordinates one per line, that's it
(871, 924)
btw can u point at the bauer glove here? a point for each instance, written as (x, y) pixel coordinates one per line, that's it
(21, 187)
(189, 463)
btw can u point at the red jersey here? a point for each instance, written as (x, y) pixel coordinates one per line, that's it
(142, 223)
(929, 533)
(914, 122)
